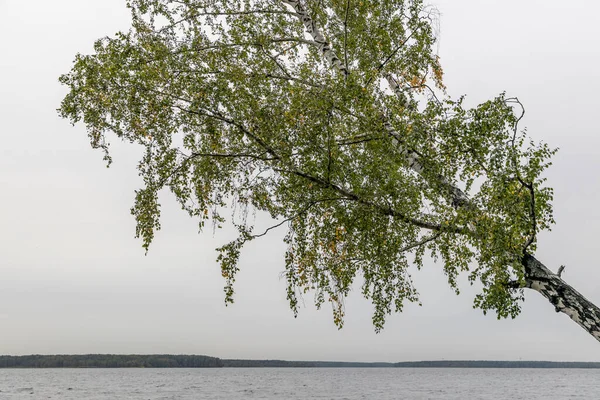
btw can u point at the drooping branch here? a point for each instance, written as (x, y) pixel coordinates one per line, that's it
(422, 242)
(384, 210)
(422, 222)
(298, 214)
(537, 276)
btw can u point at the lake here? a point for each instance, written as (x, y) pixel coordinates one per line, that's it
(300, 383)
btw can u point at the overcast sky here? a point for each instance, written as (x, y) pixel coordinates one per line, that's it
(74, 280)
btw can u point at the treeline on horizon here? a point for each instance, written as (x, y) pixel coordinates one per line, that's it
(301, 364)
(162, 361)
(197, 361)
(407, 364)
(110, 361)
(496, 364)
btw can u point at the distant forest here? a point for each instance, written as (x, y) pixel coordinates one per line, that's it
(496, 364)
(300, 364)
(409, 364)
(195, 361)
(110, 361)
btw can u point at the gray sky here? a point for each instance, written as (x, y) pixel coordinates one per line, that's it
(74, 280)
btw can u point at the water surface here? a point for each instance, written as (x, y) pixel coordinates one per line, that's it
(300, 383)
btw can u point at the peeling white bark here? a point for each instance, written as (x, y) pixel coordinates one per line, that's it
(317, 36)
(564, 298)
(393, 85)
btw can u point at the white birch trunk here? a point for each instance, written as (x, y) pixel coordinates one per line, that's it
(317, 36)
(564, 298)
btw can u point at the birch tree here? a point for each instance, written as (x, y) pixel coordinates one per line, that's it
(331, 117)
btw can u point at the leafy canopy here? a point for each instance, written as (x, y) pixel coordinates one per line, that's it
(330, 116)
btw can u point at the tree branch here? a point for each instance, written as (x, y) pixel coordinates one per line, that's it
(421, 242)
(293, 217)
(384, 210)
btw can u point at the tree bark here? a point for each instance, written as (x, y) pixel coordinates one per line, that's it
(317, 35)
(562, 296)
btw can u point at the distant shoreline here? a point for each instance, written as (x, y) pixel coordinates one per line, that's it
(200, 361)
